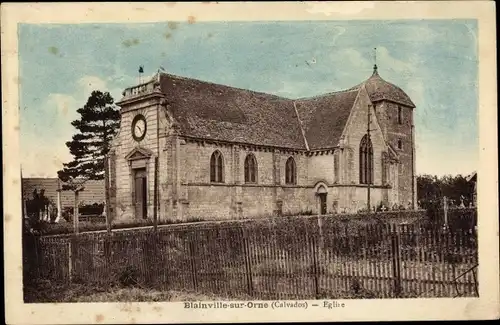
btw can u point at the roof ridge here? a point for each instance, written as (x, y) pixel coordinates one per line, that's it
(328, 94)
(223, 85)
(303, 132)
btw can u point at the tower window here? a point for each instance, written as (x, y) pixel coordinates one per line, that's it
(400, 115)
(400, 144)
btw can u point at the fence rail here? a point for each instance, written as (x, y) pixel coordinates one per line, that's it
(306, 258)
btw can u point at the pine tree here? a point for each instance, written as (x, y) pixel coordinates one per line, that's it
(98, 123)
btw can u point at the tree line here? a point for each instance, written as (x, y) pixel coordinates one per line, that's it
(431, 189)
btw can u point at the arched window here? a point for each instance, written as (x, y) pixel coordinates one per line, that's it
(250, 169)
(217, 167)
(400, 115)
(365, 161)
(290, 171)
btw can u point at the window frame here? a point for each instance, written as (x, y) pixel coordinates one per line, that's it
(290, 171)
(400, 114)
(366, 157)
(400, 144)
(250, 169)
(216, 167)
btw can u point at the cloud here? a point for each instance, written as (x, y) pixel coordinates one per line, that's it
(349, 56)
(385, 59)
(434, 160)
(91, 83)
(62, 102)
(53, 156)
(50, 147)
(416, 90)
(339, 31)
(113, 84)
(289, 89)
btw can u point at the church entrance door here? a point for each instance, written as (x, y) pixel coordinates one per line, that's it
(140, 191)
(321, 194)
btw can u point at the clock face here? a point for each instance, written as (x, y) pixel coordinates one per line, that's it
(139, 127)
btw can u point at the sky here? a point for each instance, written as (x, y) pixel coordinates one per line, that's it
(434, 61)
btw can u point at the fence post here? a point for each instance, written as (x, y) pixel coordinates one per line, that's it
(193, 261)
(107, 198)
(75, 213)
(475, 281)
(445, 208)
(155, 197)
(312, 242)
(71, 257)
(107, 254)
(248, 265)
(396, 266)
(321, 236)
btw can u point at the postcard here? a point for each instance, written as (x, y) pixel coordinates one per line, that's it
(249, 162)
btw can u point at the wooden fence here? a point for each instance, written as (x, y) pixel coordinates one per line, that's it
(281, 259)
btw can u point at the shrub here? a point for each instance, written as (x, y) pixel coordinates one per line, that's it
(67, 213)
(128, 277)
(91, 209)
(193, 219)
(67, 228)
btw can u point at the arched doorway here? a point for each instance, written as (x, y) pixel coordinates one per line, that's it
(322, 194)
(138, 160)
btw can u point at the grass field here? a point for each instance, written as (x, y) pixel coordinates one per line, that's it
(46, 292)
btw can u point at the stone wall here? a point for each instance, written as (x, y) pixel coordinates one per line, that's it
(234, 198)
(124, 144)
(185, 189)
(400, 132)
(356, 130)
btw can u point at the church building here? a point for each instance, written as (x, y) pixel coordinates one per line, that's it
(195, 149)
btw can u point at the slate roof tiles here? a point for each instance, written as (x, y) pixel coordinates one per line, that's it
(211, 111)
(324, 118)
(219, 112)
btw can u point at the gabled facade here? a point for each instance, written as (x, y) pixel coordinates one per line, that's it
(197, 149)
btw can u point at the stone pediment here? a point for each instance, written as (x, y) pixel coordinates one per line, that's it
(139, 153)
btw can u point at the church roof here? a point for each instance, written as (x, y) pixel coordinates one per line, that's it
(212, 111)
(207, 110)
(378, 89)
(324, 117)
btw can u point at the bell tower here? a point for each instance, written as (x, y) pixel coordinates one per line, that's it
(394, 111)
